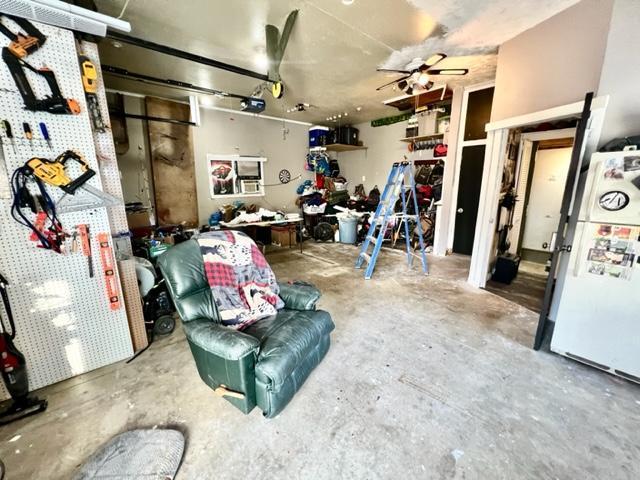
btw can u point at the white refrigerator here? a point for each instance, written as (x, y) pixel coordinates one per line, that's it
(598, 316)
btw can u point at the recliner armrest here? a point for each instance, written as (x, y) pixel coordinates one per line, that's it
(222, 341)
(299, 296)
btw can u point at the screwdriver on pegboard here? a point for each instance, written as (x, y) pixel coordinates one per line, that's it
(9, 133)
(45, 134)
(28, 134)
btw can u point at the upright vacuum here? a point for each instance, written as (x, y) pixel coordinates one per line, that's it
(14, 369)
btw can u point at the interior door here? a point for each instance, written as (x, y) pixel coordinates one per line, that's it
(565, 226)
(471, 165)
(550, 171)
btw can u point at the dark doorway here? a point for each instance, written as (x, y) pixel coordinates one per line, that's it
(471, 166)
(477, 115)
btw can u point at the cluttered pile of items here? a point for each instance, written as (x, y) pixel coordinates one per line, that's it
(265, 226)
(395, 214)
(330, 212)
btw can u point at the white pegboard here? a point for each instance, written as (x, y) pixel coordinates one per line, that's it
(110, 176)
(105, 149)
(65, 326)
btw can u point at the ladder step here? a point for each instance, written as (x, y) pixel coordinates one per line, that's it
(366, 256)
(372, 238)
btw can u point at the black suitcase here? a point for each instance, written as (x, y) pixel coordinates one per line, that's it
(347, 135)
(506, 268)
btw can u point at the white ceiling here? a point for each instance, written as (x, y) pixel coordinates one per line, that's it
(333, 51)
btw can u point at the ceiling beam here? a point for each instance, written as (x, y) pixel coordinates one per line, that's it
(192, 57)
(139, 77)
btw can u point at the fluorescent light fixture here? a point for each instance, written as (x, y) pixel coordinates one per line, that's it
(347, 2)
(64, 15)
(194, 110)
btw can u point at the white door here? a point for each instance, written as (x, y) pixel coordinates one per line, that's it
(545, 197)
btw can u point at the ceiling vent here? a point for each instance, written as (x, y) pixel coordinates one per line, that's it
(64, 15)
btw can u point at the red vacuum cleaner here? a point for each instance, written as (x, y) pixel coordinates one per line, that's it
(14, 369)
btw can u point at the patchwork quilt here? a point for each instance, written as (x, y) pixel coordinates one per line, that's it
(242, 282)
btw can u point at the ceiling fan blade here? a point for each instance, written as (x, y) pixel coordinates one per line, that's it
(392, 70)
(435, 58)
(276, 43)
(448, 71)
(392, 82)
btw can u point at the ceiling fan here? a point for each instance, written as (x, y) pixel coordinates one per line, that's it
(417, 74)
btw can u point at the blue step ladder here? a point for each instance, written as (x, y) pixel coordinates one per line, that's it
(396, 186)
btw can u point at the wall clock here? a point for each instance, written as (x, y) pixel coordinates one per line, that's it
(614, 200)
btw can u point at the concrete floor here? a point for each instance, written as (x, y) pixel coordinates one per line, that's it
(426, 378)
(527, 289)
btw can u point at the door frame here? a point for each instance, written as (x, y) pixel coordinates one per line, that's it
(533, 137)
(497, 133)
(460, 144)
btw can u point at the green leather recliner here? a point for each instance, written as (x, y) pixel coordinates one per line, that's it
(266, 363)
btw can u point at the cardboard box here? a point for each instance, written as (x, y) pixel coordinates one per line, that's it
(284, 236)
(138, 219)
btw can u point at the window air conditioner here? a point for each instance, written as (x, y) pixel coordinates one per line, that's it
(250, 186)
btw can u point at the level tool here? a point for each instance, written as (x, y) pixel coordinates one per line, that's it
(109, 270)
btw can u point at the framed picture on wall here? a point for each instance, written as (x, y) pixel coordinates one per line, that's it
(235, 176)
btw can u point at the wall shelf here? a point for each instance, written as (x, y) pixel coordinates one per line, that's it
(339, 147)
(421, 138)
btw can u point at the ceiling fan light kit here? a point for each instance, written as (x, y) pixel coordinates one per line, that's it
(423, 79)
(417, 74)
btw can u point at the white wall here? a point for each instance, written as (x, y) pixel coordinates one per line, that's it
(556, 62)
(620, 77)
(383, 149)
(227, 133)
(221, 133)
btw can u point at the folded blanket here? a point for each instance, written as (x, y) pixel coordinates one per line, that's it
(242, 282)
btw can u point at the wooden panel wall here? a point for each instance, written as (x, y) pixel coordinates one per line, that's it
(172, 163)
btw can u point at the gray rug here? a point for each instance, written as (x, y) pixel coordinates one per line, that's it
(136, 455)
